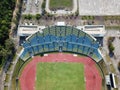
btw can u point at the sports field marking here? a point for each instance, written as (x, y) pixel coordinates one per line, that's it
(61, 4)
(60, 76)
(93, 80)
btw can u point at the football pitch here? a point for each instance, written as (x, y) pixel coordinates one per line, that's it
(59, 76)
(54, 4)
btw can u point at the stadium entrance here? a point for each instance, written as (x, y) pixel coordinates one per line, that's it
(60, 46)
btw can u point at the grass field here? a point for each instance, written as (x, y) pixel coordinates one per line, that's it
(54, 4)
(60, 76)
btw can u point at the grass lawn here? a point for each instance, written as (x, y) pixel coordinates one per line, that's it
(60, 76)
(54, 4)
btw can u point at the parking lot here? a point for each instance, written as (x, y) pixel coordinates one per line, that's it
(99, 7)
(32, 7)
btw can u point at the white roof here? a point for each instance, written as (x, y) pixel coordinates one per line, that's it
(27, 30)
(95, 30)
(107, 79)
(60, 23)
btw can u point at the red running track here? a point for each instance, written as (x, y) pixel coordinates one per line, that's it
(92, 76)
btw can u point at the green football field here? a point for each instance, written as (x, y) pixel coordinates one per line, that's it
(60, 76)
(61, 3)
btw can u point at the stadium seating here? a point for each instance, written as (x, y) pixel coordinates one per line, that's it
(61, 38)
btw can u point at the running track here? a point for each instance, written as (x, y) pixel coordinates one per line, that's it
(92, 76)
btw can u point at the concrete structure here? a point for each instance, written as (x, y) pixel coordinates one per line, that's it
(94, 30)
(26, 30)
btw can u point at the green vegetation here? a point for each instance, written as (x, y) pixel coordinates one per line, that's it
(111, 67)
(113, 27)
(6, 11)
(112, 17)
(16, 17)
(6, 45)
(110, 45)
(87, 17)
(7, 78)
(28, 16)
(15, 73)
(6, 88)
(19, 66)
(119, 66)
(111, 39)
(43, 7)
(103, 66)
(60, 76)
(7, 51)
(38, 16)
(43, 4)
(55, 4)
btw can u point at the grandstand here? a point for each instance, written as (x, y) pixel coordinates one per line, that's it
(97, 31)
(61, 39)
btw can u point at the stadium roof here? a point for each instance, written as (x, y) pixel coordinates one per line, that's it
(95, 30)
(26, 30)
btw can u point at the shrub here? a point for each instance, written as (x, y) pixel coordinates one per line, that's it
(43, 4)
(111, 39)
(29, 16)
(38, 16)
(119, 66)
(111, 47)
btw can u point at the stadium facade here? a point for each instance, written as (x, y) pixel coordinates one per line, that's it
(61, 38)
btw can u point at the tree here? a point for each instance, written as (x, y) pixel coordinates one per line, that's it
(119, 66)
(43, 4)
(3, 56)
(6, 11)
(9, 45)
(3, 34)
(38, 16)
(111, 39)
(7, 51)
(111, 47)
(3, 22)
(29, 16)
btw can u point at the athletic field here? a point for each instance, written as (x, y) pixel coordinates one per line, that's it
(60, 76)
(60, 71)
(57, 4)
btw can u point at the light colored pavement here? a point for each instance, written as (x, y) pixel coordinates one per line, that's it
(61, 12)
(99, 7)
(116, 43)
(33, 7)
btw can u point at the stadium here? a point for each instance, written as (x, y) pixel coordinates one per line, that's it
(60, 57)
(60, 45)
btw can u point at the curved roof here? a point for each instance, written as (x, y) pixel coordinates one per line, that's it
(61, 38)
